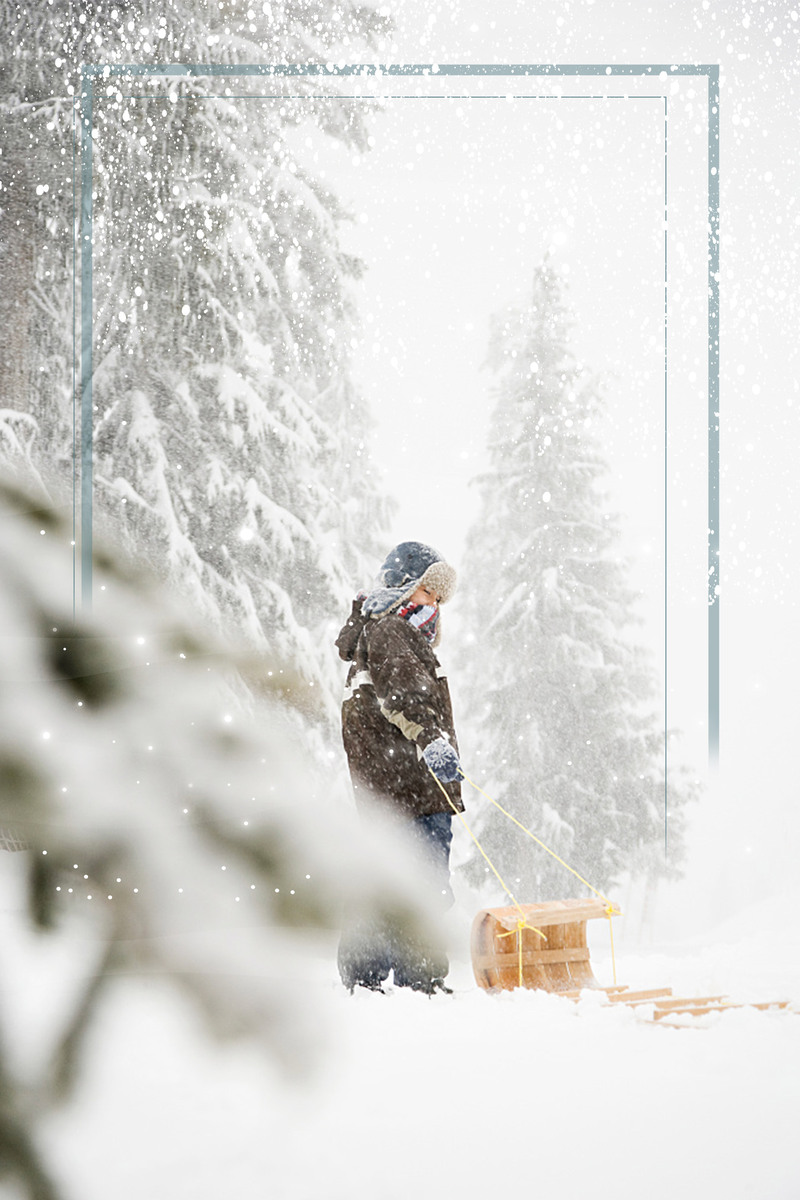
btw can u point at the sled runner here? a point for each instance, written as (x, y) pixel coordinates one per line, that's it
(664, 1005)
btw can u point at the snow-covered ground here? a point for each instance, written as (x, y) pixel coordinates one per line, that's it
(466, 1095)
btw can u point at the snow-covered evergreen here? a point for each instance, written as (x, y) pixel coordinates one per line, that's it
(561, 703)
(222, 315)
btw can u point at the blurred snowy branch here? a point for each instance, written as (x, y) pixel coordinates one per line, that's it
(168, 831)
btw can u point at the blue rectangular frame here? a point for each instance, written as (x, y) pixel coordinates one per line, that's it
(89, 72)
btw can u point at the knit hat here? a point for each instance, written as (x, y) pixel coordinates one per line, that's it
(405, 568)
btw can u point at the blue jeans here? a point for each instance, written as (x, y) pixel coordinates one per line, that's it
(372, 947)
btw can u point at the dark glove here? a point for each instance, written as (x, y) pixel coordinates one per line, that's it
(441, 758)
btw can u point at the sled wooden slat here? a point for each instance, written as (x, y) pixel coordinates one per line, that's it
(646, 996)
(687, 1009)
(532, 957)
(698, 1007)
(550, 912)
(665, 1005)
(678, 1001)
(507, 956)
(576, 993)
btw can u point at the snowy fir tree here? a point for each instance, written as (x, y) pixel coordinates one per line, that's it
(563, 726)
(226, 428)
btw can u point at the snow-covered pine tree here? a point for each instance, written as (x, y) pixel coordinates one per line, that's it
(562, 727)
(222, 323)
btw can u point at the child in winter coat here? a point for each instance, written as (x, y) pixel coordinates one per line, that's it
(397, 727)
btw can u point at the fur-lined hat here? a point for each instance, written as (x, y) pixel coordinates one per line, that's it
(407, 567)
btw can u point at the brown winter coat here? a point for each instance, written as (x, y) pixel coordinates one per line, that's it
(396, 702)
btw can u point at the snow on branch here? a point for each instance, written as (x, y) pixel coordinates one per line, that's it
(165, 831)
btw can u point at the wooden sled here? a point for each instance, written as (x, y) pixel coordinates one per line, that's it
(507, 952)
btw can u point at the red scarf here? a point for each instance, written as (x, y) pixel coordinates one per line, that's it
(424, 617)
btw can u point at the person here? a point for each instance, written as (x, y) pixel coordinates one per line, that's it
(401, 747)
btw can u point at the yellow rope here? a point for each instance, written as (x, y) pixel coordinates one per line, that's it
(611, 909)
(522, 923)
(462, 819)
(609, 915)
(518, 928)
(539, 842)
